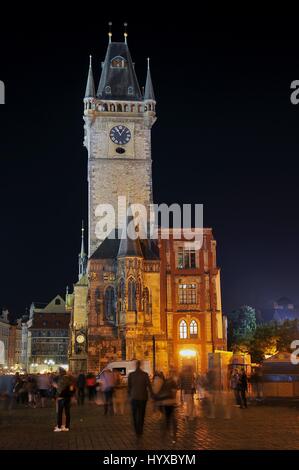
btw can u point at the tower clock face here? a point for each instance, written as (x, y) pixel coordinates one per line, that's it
(80, 339)
(120, 135)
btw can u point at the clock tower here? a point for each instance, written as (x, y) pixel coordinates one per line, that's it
(118, 120)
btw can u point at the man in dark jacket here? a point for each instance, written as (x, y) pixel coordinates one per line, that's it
(81, 383)
(138, 387)
(242, 388)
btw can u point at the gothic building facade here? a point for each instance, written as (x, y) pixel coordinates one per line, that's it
(136, 298)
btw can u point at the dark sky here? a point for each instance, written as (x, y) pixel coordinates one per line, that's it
(226, 136)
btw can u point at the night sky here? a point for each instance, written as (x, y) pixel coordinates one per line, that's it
(226, 136)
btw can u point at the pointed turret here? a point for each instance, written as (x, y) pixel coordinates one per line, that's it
(129, 246)
(82, 255)
(90, 89)
(149, 89)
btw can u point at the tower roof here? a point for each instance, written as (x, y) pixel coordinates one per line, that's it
(149, 89)
(90, 89)
(118, 79)
(129, 247)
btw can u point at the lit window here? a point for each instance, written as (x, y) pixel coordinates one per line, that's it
(183, 330)
(186, 258)
(118, 62)
(193, 329)
(187, 294)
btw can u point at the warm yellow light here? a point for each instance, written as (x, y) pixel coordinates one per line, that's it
(187, 353)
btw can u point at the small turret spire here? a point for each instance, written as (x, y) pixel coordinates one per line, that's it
(125, 32)
(110, 31)
(90, 89)
(82, 240)
(149, 89)
(82, 255)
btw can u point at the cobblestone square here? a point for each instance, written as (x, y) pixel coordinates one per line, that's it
(263, 427)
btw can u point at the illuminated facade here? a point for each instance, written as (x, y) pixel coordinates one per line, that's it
(158, 300)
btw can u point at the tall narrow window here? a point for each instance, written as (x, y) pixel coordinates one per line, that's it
(183, 330)
(193, 329)
(147, 305)
(186, 258)
(131, 295)
(187, 294)
(97, 296)
(109, 304)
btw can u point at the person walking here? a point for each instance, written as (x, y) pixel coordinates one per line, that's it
(65, 391)
(167, 400)
(91, 384)
(81, 383)
(138, 387)
(242, 388)
(107, 385)
(43, 385)
(187, 386)
(234, 385)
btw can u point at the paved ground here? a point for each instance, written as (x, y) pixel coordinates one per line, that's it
(258, 427)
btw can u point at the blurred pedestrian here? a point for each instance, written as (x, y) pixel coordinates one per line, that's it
(118, 396)
(81, 383)
(107, 385)
(43, 385)
(187, 386)
(168, 401)
(242, 389)
(234, 385)
(91, 386)
(138, 387)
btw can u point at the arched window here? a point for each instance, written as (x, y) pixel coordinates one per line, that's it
(183, 330)
(119, 62)
(126, 108)
(109, 303)
(139, 294)
(131, 295)
(119, 108)
(112, 108)
(193, 329)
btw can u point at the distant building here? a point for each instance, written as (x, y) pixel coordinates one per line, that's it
(47, 336)
(4, 338)
(15, 344)
(284, 309)
(281, 310)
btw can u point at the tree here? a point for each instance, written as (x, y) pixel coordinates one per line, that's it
(241, 326)
(264, 342)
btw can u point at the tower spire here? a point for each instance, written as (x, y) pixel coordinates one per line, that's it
(82, 255)
(90, 89)
(149, 89)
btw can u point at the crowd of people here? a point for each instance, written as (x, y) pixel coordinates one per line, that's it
(196, 394)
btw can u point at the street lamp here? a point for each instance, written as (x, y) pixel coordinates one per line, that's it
(50, 363)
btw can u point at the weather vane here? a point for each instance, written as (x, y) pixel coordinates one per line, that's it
(125, 32)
